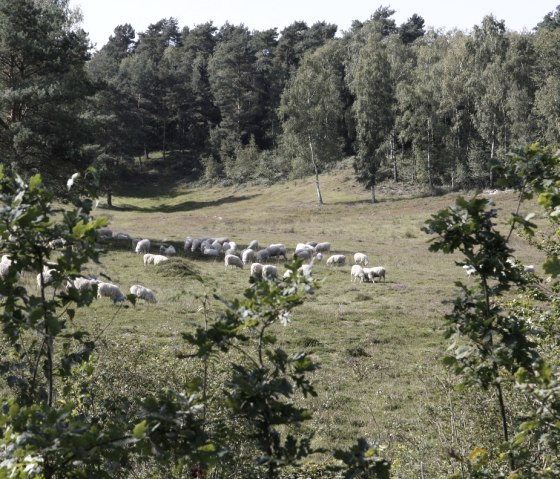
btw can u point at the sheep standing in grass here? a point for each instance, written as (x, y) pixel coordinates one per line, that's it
(158, 259)
(232, 260)
(376, 272)
(322, 247)
(269, 272)
(143, 246)
(361, 258)
(262, 255)
(5, 265)
(82, 284)
(167, 250)
(256, 270)
(357, 273)
(109, 290)
(276, 251)
(188, 244)
(144, 293)
(46, 278)
(469, 270)
(248, 256)
(148, 259)
(336, 260)
(254, 245)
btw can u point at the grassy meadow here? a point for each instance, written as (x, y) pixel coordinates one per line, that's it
(379, 345)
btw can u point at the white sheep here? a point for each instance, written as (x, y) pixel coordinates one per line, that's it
(361, 258)
(47, 277)
(211, 252)
(336, 260)
(469, 270)
(376, 272)
(167, 250)
(110, 290)
(143, 293)
(269, 272)
(357, 273)
(256, 270)
(322, 247)
(529, 268)
(158, 259)
(318, 257)
(254, 245)
(232, 260)
(248, 255)
(288, 274)
(82, 284)
(5, 265)
(143, 246)
(306, 270)
(188, 244)
(148, 259)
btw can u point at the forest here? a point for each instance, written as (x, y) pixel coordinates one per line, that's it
(435, 108)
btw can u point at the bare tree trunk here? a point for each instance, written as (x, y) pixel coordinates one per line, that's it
(316, 168)
(110, 198)
(373, 200)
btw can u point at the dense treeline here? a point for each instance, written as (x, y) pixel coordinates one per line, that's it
(431, 107)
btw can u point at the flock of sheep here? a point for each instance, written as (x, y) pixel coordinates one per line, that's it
(257, 258)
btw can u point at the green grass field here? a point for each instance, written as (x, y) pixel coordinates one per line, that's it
(379, 345)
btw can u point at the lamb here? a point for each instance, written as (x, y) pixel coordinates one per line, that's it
(336, 260)
(232, 260)
(109, 290)
(361, 258)
(269, 272)
(148, 259)
(376, 272)
(322, 247)
(357, 273)
(256, 270)
(143, 246)
(248, 255)
(144, 293)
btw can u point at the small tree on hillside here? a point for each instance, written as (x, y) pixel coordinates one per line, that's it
(311, 111)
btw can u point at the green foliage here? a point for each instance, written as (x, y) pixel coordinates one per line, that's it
(494, 342)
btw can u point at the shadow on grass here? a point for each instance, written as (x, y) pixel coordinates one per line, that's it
(181, 207)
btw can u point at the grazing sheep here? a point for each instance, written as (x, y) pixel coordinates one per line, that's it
(322, 247)
(318, 257)
(361, 258)
(188, 244)
(254, 245)
(148, 259)
(269, 272)
(256, 270)
(469, 270)
(232, 260)
(158, 259)
(109, 290)
(262, 255)
(167, 250)
(276, 251)
(248, 255)
(357, 273)
(529, 268)
(303, 254)
(336, 260)
(211, 252)
(376, 272)
(104, 233)
(312, 244)
(82, 283)
(5, 265)
(143, 246)
(47, 277)
(306, 270)
(143, 293)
